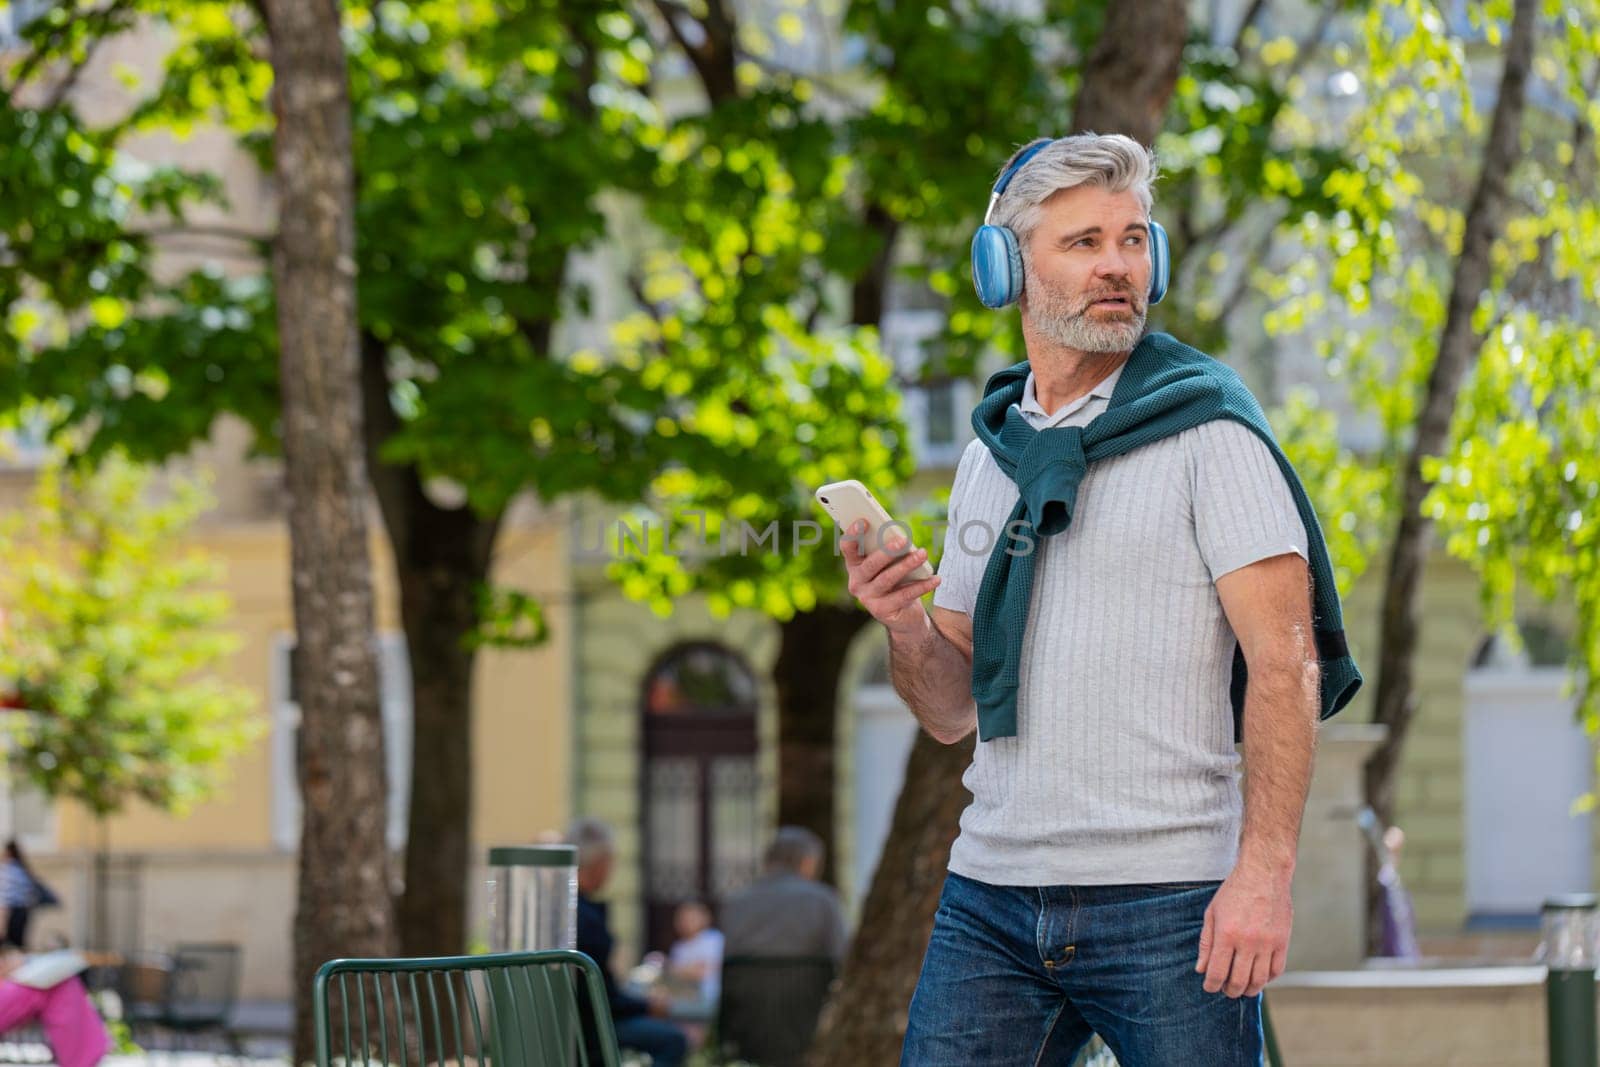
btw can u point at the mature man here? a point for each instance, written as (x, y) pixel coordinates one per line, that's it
(637, 1020)
(786, 912)
(1095, 627)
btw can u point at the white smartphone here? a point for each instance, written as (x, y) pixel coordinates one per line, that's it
(848, 502)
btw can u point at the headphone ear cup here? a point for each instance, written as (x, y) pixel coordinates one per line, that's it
(996, 266)
(1160, 262)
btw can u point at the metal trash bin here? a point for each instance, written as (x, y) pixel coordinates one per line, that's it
(1567, 946)
(533, 898)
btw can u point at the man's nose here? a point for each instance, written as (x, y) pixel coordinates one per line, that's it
(1115, 262)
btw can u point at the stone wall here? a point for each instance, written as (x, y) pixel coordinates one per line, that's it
(1481, 1017)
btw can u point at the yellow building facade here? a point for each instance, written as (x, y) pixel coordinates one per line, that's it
(225, 871)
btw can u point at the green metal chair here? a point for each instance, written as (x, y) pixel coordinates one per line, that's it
(513, 1009)
(1274, 1057)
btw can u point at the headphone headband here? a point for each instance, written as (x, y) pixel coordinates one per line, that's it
(1010, 172)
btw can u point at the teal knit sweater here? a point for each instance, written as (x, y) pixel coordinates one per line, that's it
(1165, 388)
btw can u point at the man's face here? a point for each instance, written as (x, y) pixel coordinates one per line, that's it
(593, 876)
(1088, 270)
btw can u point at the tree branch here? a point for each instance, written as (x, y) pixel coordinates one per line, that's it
(1258, 249)
(70, 79)
(1252, 13)
(1312, 42)
(98, 23)
(714, 58)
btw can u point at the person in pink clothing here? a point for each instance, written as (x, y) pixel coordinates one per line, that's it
(76, 1033)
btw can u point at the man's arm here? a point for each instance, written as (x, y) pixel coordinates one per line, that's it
(930, 660)
(930, 664)
(1245, 940)
(1272, 600)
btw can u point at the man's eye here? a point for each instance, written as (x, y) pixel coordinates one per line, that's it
(1135, 240)
(1083, 242)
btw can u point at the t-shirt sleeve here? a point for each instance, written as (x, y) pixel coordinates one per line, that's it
(960, 572)
(1244, 510)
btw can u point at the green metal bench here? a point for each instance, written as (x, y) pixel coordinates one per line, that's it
(514, 1009)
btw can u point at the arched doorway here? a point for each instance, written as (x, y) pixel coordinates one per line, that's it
(699, 831)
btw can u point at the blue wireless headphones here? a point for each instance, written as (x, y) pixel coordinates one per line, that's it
(997, 258)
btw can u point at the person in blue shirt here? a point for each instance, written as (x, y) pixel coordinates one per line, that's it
(20, 893)
(639, 1021)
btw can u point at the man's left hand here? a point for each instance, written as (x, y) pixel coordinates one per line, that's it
(1244, 943)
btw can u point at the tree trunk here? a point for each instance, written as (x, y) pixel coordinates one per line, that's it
(1125, 90)
(1130, 75)
(439, 577)
(442, 558)
(1459, 344)
(865, 1021)
(344, 905)
(811, 654)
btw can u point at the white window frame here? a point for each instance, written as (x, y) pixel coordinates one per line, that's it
(905, 332)
(394, 669)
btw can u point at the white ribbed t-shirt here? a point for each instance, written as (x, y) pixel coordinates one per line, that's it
(1123, 769)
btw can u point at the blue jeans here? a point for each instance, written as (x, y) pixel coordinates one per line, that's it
(1018, 976)
(663, 1041)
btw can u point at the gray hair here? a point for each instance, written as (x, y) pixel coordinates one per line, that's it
(1109, 160)
(792, 846)
(593, 838)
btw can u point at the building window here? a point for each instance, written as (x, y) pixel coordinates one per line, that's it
(936, 408)
(394, 670)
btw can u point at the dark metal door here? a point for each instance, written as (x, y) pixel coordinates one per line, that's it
(699, 787)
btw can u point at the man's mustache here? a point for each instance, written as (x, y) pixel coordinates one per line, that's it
(1135, 301)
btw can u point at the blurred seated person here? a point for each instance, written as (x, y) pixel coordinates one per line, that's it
(787, 911)
(46, 989)
(696, 957)
(639, 1021)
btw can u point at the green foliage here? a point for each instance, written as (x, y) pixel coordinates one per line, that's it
(494, 142)
(508, 618)
(113, 641)
(1515, 494)
(1351, 491)
(821, 409)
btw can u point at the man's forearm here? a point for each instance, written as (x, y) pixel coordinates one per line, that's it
(1280, 735)
(934, 678)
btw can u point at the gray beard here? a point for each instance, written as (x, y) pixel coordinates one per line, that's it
(1067, 322)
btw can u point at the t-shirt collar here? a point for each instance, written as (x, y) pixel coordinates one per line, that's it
(1030, 398)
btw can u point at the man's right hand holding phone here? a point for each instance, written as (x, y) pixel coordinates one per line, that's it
(930, 657)
(876, 579)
